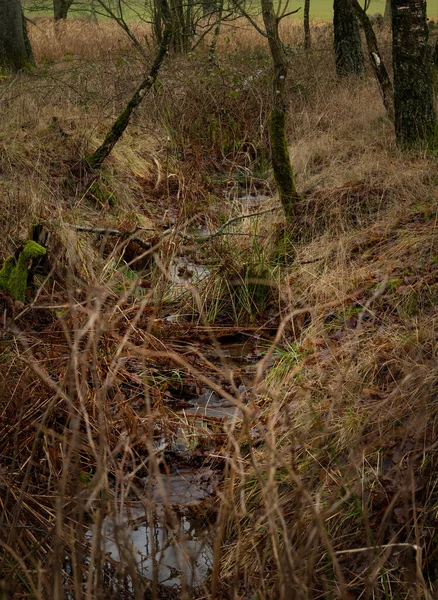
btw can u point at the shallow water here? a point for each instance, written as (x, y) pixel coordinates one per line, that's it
(183, 271)
(175, 548)
(210, 404)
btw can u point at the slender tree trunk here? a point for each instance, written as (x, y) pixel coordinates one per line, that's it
(415, 117)
(219, 8)
(387, 16)
(307, 40)
(435, 54)
(15, 50)
(348, 47)
(96, 159)
(157, 22)
(281, 165)
(377, 63)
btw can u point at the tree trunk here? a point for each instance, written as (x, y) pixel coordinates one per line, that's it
(61, 8)
(377, 63)
(157, 22)
(209, 7)
(435, 54)
(307, 40)
(387, 16)
(415, 117)
(219, 9)
(348, 48)
(15, 51)
(283, 172)
(96, 159)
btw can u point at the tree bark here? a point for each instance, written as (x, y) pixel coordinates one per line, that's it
(281, 165)
(377, 63)
(415, 117)
(96, 159)
(15, 51)
(209, 7)
(306, 21)
(61, 8)
(387, 15)
(348, 48)
(219, 9)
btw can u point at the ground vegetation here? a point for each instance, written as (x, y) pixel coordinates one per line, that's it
(196, 398)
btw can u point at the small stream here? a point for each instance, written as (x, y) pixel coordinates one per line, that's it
(173, 547)
(169, 534)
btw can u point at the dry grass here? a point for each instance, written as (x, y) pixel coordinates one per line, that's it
(325, 485)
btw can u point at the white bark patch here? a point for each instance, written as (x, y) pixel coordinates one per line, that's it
(376, 58)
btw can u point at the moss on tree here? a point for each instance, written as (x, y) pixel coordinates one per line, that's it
(14, 274)
(283, 172)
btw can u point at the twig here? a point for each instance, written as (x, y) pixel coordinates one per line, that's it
(234, 219)
(381, 547)
(292, 12)
(115, 232)
(250, 19)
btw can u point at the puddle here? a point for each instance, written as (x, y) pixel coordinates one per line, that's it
(252, 200)
(175, 548)
(247, 200)
(185, 271)
(210, 405)
(186, 487)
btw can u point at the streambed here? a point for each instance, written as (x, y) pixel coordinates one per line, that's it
(168, 529)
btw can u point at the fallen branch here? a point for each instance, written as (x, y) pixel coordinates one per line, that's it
(185, 236)
(116, 233)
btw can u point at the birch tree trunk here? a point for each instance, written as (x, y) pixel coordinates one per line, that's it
(348, 47)
(376, 60)
(415, 117)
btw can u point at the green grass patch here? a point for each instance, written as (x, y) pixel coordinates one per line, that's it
(136, 10)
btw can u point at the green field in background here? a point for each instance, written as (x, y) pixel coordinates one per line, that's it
(323, 9)
(319, 9)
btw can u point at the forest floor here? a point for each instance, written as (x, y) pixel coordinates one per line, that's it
(197, 400)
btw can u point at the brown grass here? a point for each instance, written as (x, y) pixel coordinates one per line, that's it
(325, 486)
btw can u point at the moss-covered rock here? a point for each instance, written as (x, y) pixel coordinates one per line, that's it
(13, 275)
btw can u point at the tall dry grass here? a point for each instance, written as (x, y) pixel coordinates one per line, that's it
(325, 484)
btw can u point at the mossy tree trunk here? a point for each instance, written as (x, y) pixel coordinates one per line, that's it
(347, 43)
(377, 63)
(306, 23)
(281, 165)
(415, 117)
(15, 51)
(96, 159)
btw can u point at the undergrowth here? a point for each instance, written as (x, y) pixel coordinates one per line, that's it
(162, 299)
